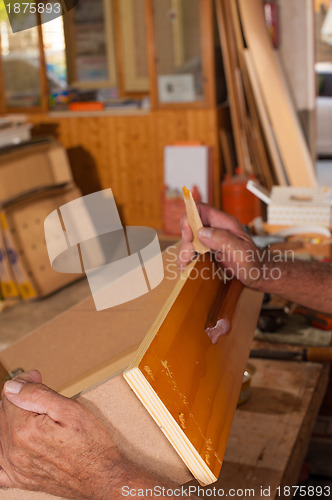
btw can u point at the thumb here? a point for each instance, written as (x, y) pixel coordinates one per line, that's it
(35, 398)
(32, 376)
(217, 239)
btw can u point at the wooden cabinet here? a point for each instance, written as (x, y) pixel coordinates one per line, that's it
(90, 44)
(181, 53)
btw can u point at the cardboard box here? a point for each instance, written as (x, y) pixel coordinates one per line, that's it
(23, 231)
(8, 285)
(31, 167)
(15, 134)
(84, 352)
(294, 206)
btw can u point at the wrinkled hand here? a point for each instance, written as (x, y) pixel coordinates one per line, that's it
(53, 444)
(225, 236)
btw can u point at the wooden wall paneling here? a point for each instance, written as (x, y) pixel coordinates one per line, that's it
(293, 148)
(129, 152)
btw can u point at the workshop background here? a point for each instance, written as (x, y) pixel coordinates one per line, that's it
(144, 96)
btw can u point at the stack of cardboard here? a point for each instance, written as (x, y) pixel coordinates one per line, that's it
(35, 179)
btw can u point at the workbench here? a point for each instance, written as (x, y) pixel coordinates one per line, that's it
(271, 432)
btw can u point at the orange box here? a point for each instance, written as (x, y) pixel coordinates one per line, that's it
(87, 106)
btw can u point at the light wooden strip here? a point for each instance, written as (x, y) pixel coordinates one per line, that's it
(169, 427)
(226, 152)
(231, 87)
(293, 148)
(194, 221)
(254, 132)
(268, 132)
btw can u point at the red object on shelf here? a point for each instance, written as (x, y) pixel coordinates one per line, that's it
(272, 23)
(173, 211)
(86, 106)
(236, 200)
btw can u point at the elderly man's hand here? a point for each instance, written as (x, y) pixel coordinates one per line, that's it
(227, 239)
(53, 444)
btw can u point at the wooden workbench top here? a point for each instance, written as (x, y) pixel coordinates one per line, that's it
(271, 432)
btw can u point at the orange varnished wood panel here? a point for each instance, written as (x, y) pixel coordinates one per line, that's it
(129, 152)
(197, 381)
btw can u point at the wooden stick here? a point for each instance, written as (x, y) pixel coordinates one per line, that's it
(226, 152)
(194, 220)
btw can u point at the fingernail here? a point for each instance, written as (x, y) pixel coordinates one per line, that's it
(205, 232)
(13, 387)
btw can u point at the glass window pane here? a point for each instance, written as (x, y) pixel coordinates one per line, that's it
(134, 45)
(90, 40)
(55, 55)
(21, 66)
(178, 48)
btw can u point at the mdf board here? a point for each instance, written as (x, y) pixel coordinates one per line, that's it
(189, 385)
(291, 143)
(82, 341)
(137, 437)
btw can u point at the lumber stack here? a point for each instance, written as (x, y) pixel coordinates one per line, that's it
(268, 138)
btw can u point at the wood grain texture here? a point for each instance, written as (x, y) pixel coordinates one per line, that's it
(291, 143)
(189, 385)
(261, 164)
(265, 121)
(230, 64)
(129, 152)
